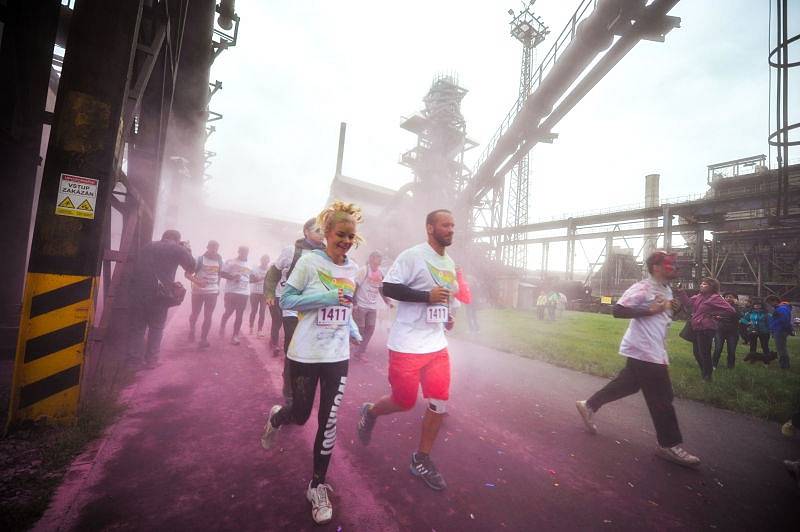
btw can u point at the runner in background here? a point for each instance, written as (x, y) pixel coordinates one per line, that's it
(321, 289)
(368, 290)
(422, 280)
(258, 302)
(275, 282)
(204, 297)
(649, 306)
(236, 273)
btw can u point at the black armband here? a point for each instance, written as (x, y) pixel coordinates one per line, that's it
(401, 292)
(627, 312)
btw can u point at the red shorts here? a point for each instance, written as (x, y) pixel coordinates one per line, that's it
(407, 371)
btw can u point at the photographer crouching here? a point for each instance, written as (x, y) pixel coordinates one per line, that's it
(153, 290)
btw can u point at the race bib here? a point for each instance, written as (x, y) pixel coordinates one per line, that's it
(437, 314)
(338, 315)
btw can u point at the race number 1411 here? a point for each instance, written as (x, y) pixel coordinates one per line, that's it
(437, 314)
(338, 315)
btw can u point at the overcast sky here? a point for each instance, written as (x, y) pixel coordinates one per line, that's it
(300, 68)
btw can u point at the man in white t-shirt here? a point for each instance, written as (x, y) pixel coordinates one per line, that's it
(649, 305)
(369, 280)
(237, 275)
(258, 302)
(205, 293)
(422, 281)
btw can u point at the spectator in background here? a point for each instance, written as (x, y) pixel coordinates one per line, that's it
(541, 304)
(727, 332)
(204, 297)
(562, 304)
(757, 329)
(552, 302)
(707, 308)
(152, 283)
(780, 325)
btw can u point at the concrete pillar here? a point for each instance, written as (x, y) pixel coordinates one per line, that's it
(667, 228)
(651, 199)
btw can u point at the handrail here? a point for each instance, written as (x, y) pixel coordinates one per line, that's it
(585, 8)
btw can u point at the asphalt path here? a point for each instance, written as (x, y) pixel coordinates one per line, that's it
(185, 455)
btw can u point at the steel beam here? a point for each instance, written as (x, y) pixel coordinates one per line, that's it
(26, 54)
(706, 207)
(67, 249)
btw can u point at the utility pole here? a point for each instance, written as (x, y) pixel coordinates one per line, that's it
(530, 31)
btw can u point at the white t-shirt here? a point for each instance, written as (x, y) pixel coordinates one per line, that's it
(368, 285)
(313, 342)
(646, 337)
(257, 287)
(242, 284)
(208, 271)
(419, 268)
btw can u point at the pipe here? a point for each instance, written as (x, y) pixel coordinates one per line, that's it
(340, 154)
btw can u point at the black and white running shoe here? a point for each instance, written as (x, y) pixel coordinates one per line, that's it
(365, 424)
(424, 469)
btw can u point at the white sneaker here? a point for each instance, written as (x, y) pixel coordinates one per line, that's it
(586, 414)
(321, 508)
(678, 455)
(269, 429)
(235, 339)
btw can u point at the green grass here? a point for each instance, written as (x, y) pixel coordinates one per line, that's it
(589, 343)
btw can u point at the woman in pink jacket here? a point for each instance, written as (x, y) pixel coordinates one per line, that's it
(707, 308)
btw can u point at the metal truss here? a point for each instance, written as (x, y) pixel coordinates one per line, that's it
(530, 31)
(574, 64)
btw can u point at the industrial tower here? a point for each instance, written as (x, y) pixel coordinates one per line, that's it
(529, 30)
(438, 158)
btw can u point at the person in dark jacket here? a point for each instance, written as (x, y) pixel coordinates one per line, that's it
(727, 332)
(155, 265)
(707, 309)
(275, 282)
(780, 325)
(757, 330)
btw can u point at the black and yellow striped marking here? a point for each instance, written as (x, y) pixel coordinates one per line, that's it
(56, 314)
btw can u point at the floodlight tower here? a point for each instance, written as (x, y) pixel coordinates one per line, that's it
(528, 29)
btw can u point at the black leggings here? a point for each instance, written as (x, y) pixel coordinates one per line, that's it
(275, 324)
(289, 325)
(258, 304)
(332, 377)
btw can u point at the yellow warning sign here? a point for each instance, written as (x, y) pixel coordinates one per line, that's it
(66, 203)
(76, 190)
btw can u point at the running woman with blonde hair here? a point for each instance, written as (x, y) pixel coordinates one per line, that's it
(320, 288)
